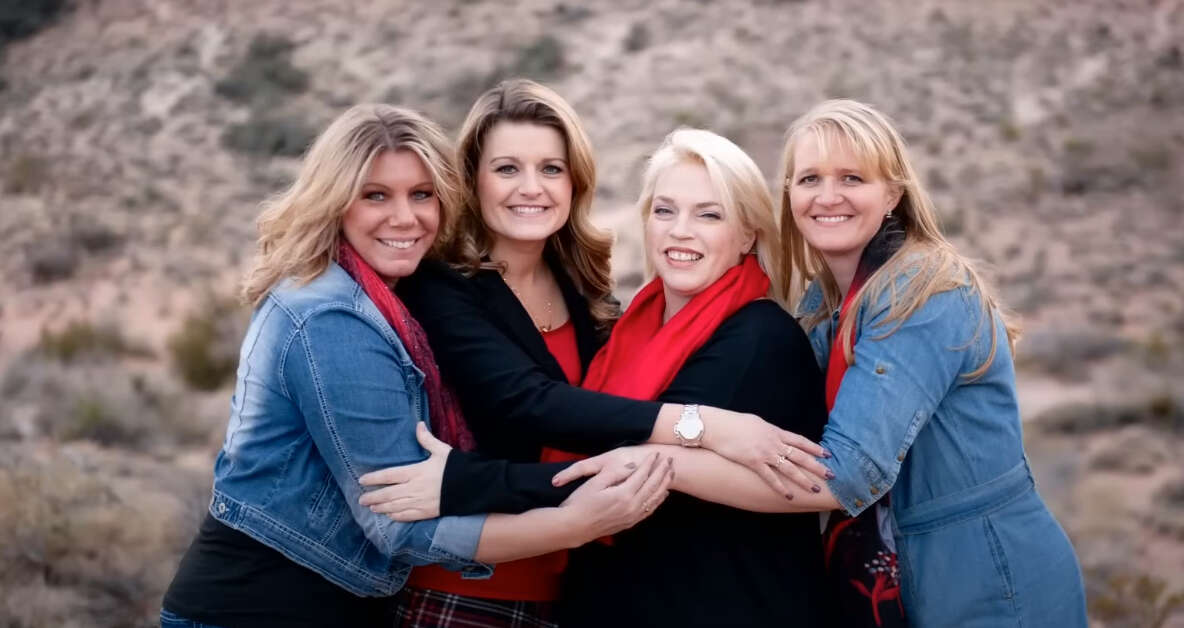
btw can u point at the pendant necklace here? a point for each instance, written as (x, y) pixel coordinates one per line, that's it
(544, 327)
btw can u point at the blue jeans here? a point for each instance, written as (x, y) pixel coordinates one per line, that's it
(169, 619)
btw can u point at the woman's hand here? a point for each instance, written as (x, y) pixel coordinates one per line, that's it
(619, 495)
(772, 453)
(410, 492)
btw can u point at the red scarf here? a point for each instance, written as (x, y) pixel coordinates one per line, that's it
(447, 422)
(836, 366)
(643, 355)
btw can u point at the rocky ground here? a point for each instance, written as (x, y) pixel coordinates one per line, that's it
(138, 136)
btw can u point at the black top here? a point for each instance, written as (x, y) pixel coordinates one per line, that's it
(695, 563)
(227, 578)
(512, 391)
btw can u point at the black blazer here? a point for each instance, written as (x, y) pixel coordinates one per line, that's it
(514, 394)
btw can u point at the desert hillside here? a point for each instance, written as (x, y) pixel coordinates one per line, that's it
(137, 138)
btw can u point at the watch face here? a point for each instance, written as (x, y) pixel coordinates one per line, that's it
(690, 428)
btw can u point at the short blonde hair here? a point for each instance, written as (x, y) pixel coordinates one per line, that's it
(300, 228)
(582, 248)
(736, 178)
(874, 140)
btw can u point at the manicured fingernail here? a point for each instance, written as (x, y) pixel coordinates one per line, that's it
(830, 475)
(789, 496)
(825, 454)
(816, 488)
(630, 465)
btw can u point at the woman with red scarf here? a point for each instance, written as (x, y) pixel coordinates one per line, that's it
(705, 330)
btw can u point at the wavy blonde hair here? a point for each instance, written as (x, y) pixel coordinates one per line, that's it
(300, 228)
(581, 247)
(935, 265)
(736, 178)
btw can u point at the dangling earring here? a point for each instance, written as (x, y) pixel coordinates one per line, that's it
(888, 215)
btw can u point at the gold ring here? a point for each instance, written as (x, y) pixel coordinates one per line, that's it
(781, 459)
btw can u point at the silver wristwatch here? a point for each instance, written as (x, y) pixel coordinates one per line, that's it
(689, 428)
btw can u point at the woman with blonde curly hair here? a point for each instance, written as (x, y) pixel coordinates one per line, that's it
(514, 313)
(336, 379)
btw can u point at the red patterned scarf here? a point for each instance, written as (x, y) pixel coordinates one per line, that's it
(447, 422)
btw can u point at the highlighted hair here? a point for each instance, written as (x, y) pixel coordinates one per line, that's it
(300, 228)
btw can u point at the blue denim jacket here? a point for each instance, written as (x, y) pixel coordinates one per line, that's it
(326, 392)
(975, 542)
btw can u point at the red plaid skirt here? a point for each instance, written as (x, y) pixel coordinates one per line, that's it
(427, 608)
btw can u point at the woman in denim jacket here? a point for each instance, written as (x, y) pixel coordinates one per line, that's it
(927, 406)
(334, 380)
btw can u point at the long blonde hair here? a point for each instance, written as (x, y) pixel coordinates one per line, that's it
(931, 260)
(299, 228)
(582, 248)
(736, 178)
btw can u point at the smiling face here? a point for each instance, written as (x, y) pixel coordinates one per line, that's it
(395, 216)
(524, 184)
(691, 238)
(838, 202)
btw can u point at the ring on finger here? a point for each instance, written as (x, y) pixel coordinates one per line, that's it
(781, 460)
(789, 449)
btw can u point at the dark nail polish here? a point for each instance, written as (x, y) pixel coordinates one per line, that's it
(816, 488)
(825, 454)
(789, 496)
(830, 475)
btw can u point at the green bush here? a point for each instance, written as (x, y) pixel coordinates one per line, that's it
(81, 338)
(543, 60)
(638, 38)
(26, 174)
(265, 76)
(204, 350)
(92, 420)
(23, 18)
(283, 136)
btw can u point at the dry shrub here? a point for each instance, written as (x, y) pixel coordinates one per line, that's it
(100, 401)
(1137, 601)
(1067, 353)
(1085, 418)
(78, 544)
(81, 338)
(1136, 451)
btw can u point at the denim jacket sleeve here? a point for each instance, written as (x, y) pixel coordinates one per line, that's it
(888, 395)
(352, 390)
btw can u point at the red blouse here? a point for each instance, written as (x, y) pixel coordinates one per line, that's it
(530, 579)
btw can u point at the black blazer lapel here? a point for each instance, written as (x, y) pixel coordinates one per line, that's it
(507, 311)
(588, 338)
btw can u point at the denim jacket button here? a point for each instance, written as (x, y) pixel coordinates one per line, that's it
(221, 508)
(879, 370)
(900, 457)
(859, 503)
(875, 491)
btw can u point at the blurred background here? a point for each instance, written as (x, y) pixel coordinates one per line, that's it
(137, 138)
